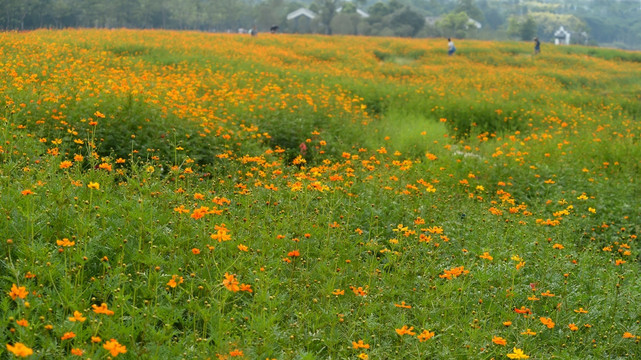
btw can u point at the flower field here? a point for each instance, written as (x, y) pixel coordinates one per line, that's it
(170, 195)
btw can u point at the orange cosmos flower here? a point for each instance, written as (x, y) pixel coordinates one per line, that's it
(236, 352)
(114, 347)
(68, 335)
(175, 281)
(358, 291)
(573, 327)
(523, 310)
(22, 322)
(528, 332)
(102, 309)
(359, 345)
(222, 233)
(627, 335)
(425, 335)
(200, 212)
(499, 340)
(231, 283)
(66, 164)
(403, 305)
(77, 316)
(65, 242)
(18, 292)
(19, 350)
(405, 330)
(96, 339)
(243, 248)
(293, 253)
(453, 272)
(338, 292)
(105, 166)
(77, 351)
(195, 251)
(25, 193)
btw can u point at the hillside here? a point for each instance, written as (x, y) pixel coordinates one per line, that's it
(191, 195)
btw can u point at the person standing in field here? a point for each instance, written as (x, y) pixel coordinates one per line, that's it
(450, 47)
(537, 46)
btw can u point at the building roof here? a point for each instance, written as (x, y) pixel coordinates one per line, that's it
(360, 12)
(301, 12)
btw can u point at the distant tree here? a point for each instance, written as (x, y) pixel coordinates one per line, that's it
(270, 13)
(528, 29)
(345, 23)
(377, 11)
(349, 8)
(327, 11)
(408, 22)
(454, 25)
(469, 7)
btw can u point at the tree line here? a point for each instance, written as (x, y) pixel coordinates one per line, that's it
(604, 22)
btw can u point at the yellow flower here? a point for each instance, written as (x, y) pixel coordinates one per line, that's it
(93, 185)
(499, 340)
(518, 354)
(19, 349)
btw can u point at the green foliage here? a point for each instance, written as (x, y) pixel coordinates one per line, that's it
(454, 25)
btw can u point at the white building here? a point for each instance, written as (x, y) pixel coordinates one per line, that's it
(561, 37)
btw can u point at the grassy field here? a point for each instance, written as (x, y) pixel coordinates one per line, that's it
(171, 195)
